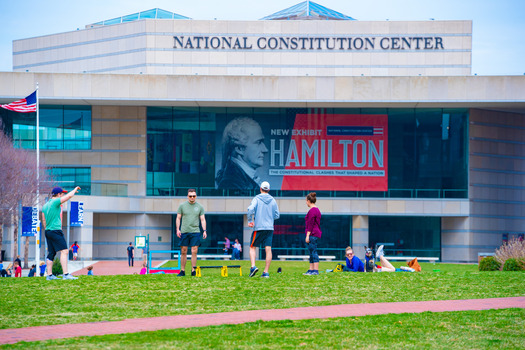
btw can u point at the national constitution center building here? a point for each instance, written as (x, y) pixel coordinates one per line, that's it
(384, 120)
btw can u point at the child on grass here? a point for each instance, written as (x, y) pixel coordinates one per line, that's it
(18, 269)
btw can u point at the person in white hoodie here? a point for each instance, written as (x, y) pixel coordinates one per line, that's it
(261, 214)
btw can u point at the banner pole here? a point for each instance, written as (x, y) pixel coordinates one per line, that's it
(38, 233)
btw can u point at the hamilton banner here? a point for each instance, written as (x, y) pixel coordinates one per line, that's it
(323, 152)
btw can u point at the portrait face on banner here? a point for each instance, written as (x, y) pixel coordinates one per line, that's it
(342, 152)
(254, 151)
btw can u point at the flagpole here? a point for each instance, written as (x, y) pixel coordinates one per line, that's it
(38, 233)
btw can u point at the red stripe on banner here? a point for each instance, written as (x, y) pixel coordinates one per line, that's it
(344, 160)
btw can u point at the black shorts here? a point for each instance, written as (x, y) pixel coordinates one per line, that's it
(55, 243)
(261, 238)
(192, 239)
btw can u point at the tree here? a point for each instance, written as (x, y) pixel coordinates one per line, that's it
(18, 184)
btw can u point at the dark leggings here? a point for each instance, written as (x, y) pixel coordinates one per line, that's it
(312, 247)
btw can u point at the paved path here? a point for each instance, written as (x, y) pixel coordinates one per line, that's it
(9, 336)
(114, 267)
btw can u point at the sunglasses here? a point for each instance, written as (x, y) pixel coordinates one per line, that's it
(349, 253)
(192, 196)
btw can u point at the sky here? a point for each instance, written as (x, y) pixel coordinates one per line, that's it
(498, 42)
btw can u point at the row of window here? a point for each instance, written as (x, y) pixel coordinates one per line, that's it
(60, 127)
(407, 153)
(408, 236)
(70, 177)
(426, 151)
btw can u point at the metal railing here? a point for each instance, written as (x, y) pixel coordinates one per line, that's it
(391, 193)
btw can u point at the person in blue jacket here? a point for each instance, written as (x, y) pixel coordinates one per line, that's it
(353, 263)
(261, 214)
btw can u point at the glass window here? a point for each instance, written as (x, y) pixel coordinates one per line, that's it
(77, 128)
(289, 236)
(218, 227)
(61, 127)
(229, 151)
(181, 150)
(406, 236)
(68, 178)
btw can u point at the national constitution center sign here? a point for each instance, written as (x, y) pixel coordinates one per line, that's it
(323, 152)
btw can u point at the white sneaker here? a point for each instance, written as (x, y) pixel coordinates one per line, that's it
(51, 277)
(69, 277)
(380, 251)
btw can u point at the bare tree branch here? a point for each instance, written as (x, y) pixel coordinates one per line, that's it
(18, 183)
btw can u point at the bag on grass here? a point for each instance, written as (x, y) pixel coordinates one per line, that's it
(414, 264)
(338, 268)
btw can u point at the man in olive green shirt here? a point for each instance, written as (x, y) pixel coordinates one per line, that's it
(52, 221)
(189, 233)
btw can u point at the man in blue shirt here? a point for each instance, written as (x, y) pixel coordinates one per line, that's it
(353, 263)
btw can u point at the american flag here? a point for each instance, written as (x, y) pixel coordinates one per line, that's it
(25, 105)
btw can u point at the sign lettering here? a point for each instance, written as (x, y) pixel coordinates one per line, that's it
(192, 42)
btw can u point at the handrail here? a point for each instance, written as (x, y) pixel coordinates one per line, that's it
(390, 193)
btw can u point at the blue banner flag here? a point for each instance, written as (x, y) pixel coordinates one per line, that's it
(77, 214)
(29, 221)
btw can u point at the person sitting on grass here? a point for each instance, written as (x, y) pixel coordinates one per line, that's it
(144, 270)
(90, 270)
(353, 263)
(386, 266)
(9, 271)
(32, 272)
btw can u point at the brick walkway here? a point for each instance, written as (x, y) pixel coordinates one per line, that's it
(115, 267)
(10, 336)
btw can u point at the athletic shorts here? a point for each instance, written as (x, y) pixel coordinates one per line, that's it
(261, 238)
(192, 239)
(55, 243)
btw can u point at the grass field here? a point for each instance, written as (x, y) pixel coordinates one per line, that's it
(488, 329)
(34, 301)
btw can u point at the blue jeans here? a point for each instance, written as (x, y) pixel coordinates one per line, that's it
(236, 255)
(312, 247)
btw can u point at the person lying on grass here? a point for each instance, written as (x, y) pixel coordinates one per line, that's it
(386, 266)
(353, 263)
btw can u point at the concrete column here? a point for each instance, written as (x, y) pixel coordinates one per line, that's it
(360, 234)
(456, 240)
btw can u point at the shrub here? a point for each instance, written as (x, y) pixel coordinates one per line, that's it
(57, 267)
(489, 263)
(513, 249)
(513, 265)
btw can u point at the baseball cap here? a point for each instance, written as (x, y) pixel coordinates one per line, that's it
(265, 186)
(58, 190)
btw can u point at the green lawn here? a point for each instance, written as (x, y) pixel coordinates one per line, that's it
(35, 301)
(487, 329)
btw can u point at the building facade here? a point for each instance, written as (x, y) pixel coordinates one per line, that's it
(382, 119)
